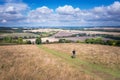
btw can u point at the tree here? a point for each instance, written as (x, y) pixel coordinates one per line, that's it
(98, 41)
(25, 37)
(112, 42)
(8, 39)
(61, 40)
(20, 40)
(118, 43)
(38, 40)
(28, 42)
(68, 41)
(91, 40)
(95, 41)
(78, 41)
(47, 41)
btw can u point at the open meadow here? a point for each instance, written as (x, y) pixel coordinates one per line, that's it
(54, 62)
(59, 39)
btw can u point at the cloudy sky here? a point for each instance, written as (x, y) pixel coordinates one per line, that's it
(59, 12)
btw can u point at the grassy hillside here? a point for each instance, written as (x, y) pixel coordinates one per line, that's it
(54, 62)
(103, 61)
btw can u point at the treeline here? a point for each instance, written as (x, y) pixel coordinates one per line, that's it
(73, 35)
(12, 40)
(111, 37)
(115, 37)
(64, 41)
(93, 41)
(16, 37)
(104, 30)
(19, 40)
(103, 42)
(39, 41)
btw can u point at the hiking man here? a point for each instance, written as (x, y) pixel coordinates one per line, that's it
(73, 54)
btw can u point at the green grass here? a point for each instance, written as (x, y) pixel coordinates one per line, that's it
(83, 65)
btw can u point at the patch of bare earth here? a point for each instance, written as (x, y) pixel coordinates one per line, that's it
(28, 62)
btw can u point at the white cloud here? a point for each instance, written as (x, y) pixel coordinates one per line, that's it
(13, 12)
(63, 15)
(4, 21)
(17, 6)
(67, 10)
(44, 10)
(10, 8)
(108, 13)
(115, 7)
(41, 14)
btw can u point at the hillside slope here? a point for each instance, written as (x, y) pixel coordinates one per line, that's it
(98, 60)
(54, 62)
(28, 62)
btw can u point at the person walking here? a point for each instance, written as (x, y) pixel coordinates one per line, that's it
(73, 53)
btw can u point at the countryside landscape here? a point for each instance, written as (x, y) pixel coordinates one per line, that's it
(59, 40)
(23, 57)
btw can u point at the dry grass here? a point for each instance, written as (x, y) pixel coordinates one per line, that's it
(28, 62)
(107, 56)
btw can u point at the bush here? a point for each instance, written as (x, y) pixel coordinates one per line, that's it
(38, 40)
(47, 41)
(118, 43)
(78, 41)
(20, 40)
(68, 41)
(94, 41)
(61, 40)
(25, 37)
(28, 42)
(89, 40)
(100, 41)
(112, 42)
(8, 39)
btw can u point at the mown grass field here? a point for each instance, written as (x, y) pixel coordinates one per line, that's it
(54, 62)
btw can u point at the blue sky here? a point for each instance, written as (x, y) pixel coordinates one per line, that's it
(59, 12)
(83, 4)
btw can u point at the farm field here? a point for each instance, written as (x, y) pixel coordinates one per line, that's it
(18, 35)
(54, 62)
(72, 32)
(82, 38)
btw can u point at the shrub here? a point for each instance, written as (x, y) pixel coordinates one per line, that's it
(38, 40)
(61, 40)
(112, 42)
(25, 37)
(28, 42)
(89, 40)
(118, 43)
(47, 41)
(78, 41)
(8, 39)
(94, 41)
(68, 41)
(20, 40)
(98, 41)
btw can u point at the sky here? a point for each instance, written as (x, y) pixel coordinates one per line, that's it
(59, 12)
